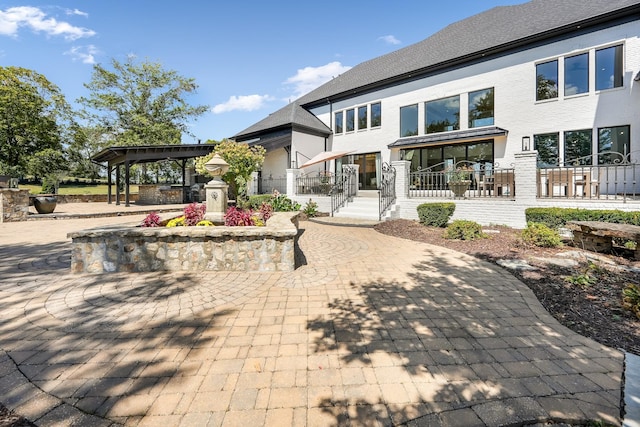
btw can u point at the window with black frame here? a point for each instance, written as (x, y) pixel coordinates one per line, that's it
(614, 143)
(481, 108)
(376, 115)
(578, 147)
(409, 120)
(442, 115)
(362, 117)
(547, 145)
(350, 120)
(338, 127)
(576, 74)
(609, 73)
(547, 80)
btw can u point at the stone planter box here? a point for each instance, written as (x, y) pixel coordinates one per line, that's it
(219, 248)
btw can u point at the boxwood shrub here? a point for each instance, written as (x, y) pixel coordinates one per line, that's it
(435, 214)
(558, 217)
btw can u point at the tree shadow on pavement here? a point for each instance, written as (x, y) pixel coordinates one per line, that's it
(455, 339)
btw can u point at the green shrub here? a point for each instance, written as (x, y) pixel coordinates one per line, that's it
(310, 209)
(558, 217)
(539, 234)
(631, 298)
(281, 203)
(435, 214)
(257, 200)
(461, 229)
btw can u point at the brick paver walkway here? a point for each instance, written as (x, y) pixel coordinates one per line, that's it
(369, 330)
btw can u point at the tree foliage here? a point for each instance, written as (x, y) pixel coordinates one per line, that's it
(139, 103)
(34, 116)
(243, 161)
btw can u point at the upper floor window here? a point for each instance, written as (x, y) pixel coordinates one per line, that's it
(576, 74)
(547, 80)
(609, 67)
(376, 115)
(442, 115)
(547, 145)
(362, 117)
(577, 147)
(339, 118)
(350, 121)
(409, 120)
(481, 108)
(613, 144)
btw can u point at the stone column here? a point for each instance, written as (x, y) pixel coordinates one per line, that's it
(525, 174)
(402, 167)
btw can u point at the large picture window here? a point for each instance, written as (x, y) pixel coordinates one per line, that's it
(409, 120)
(547, 80)
(609, 68)
(613, 140)
(441, 157)
(576, 74)
(481, 108)
(350, 120)
(442, 115)
(339, 122)
(577, 147)
(547, 146)
(376, 115)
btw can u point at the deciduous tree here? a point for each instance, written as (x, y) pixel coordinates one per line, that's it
(34, 116)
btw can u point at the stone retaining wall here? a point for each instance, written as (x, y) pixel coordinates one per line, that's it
(219, 248)
(155, 194)
(14, 205)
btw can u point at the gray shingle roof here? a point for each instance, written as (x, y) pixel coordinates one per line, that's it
(292, 114)
(485, 32)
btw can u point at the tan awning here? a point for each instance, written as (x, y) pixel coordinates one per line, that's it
(325, 156)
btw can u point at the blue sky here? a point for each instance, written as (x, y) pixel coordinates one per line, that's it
(249, 58)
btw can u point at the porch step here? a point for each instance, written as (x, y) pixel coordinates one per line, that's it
(361, 208)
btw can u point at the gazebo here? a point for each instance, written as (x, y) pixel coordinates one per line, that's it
(116, 157)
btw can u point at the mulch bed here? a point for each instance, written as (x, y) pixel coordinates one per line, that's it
(593, 310)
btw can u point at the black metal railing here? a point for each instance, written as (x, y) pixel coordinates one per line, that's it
(320, 184)
(616, 176)
(344, 188)
(267, 185)
(463, 179)
(387, 191)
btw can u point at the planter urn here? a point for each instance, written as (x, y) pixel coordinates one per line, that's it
(45, 204)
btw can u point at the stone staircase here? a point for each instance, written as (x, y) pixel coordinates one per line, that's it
(364, 206)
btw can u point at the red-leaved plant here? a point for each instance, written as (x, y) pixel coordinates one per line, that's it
(194, 213)
(236, 217)
(266, 211)
(151, 220)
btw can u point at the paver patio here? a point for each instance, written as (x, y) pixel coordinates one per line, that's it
(369, 330)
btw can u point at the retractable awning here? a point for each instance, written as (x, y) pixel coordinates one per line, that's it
(325, 156)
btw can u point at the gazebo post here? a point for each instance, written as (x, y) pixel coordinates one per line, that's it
(109, 182)
(184, 181)
(117, 184)
(127, 165)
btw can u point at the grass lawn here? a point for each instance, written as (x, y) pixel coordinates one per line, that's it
(78, 189)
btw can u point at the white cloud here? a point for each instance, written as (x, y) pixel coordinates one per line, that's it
(77, 12)
(86, 54)
(390, 39)
(309, 78)
(13, 18)
(242, 103)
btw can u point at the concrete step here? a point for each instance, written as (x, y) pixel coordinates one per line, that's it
(361, 208)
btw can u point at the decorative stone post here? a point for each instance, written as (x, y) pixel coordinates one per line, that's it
(292, 176)
(526, 181)
(402, 168)
(216, 189)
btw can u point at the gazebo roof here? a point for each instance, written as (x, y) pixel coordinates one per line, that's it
(151, 153)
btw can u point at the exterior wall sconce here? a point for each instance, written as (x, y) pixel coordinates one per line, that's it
(526, 143)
